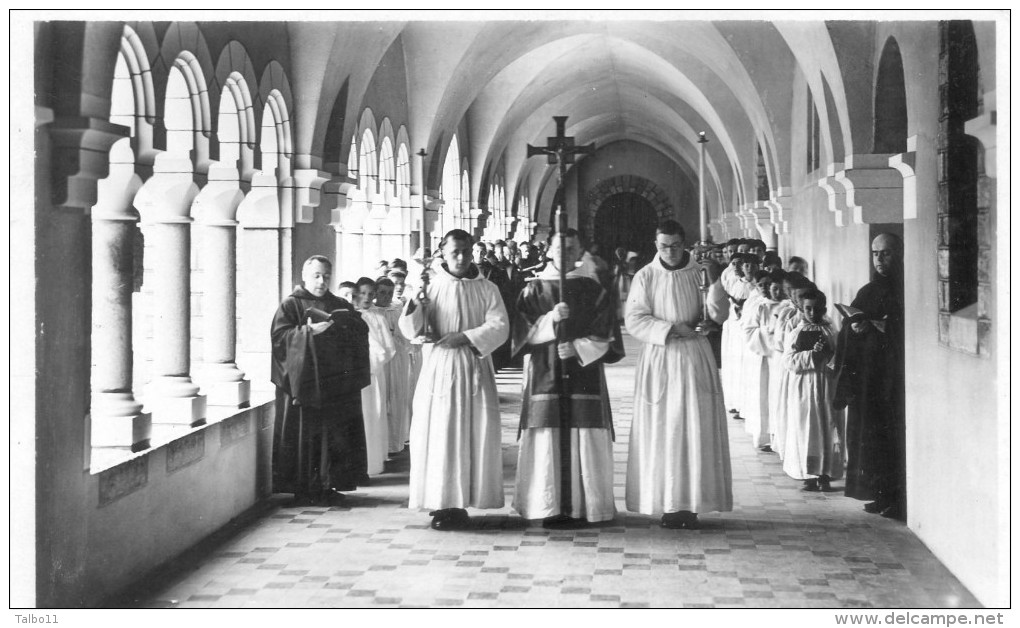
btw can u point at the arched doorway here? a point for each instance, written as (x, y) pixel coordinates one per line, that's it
(626, 219)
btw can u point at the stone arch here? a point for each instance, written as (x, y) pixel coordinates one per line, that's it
(625, 183)
(890, 102)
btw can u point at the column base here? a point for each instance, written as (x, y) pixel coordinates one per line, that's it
(228, 394)
(183, 412)
(131, 432)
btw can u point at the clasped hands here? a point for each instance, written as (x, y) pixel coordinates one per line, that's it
(561, 312)
(680, 330)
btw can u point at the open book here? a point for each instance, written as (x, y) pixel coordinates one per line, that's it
(321, 316)
(850, 313)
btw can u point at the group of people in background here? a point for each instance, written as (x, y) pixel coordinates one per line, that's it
(824, 393)
(356, 388)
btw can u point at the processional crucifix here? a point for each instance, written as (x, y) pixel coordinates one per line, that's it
(560, 150)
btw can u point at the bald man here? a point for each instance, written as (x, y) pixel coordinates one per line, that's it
(870, 384)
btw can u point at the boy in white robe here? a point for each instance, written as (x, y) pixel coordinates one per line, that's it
(401, 293)
(456, 458)
(814, 440)
(374, 396)
(754, 323)
(787, 318)
(733, 343)
(398, 399)
(679, 459)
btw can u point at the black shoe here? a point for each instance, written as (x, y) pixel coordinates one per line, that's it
(823, 484)
(333, 498)
(563, 522)
(874, 507)
(894, 511)
(683, 520)
(765, 449)
(811, 486)
(450, 519)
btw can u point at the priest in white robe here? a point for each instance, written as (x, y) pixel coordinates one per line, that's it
(679, 458)
(456, 459)
(573, 333)
(374, 397)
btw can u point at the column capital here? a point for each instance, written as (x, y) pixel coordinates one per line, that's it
(874, 190)
(167, 196)
(81, 146)
(307, 186)
(836, 194)
(261, 207)
(217, 203)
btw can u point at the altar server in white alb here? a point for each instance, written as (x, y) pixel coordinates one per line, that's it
(374, 397)
(679, 458)
(456, 460)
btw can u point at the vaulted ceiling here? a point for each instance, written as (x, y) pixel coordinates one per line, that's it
(654, 82)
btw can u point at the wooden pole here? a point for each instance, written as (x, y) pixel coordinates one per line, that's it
(566, 422)
(702, 208)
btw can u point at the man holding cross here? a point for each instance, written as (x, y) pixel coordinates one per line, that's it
(565, 463)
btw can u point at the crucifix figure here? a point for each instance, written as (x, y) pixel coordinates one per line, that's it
(560, 150)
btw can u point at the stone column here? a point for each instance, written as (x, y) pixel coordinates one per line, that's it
(215, 208)
(165, 204)
(118, 424)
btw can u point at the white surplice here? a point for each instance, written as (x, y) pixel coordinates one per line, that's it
(679, 457)
(456, 459)
(400, 388)
(787, 318)
(755, 404)
(374, 396)
(814, 439)
(733, 347)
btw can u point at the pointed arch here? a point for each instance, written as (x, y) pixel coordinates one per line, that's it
(451, 186)
(890, 101)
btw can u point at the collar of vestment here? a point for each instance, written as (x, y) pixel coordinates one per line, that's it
(443, 273)
(302, 293)
(660, 265)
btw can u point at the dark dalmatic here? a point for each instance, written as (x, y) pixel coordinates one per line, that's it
(870, 384)
(591, 314)
(319, 434)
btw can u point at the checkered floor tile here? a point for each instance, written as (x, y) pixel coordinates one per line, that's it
(779, 547)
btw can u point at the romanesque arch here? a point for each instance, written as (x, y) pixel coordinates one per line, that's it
(644, 188)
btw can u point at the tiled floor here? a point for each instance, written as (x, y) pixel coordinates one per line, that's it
(778, 548)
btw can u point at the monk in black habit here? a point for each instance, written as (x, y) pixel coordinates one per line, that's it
(320, 364)
(871, 385)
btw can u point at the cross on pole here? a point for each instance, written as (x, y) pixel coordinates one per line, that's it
(560, 150)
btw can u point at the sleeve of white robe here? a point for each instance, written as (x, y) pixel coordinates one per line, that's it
(491, 334)
(411, 323)
(755, 330)
(718, 302)
(382, 348)
(638, 319)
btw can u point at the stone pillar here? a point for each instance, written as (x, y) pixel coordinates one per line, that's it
(215, 208)
(165, 204)
(118, 424)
